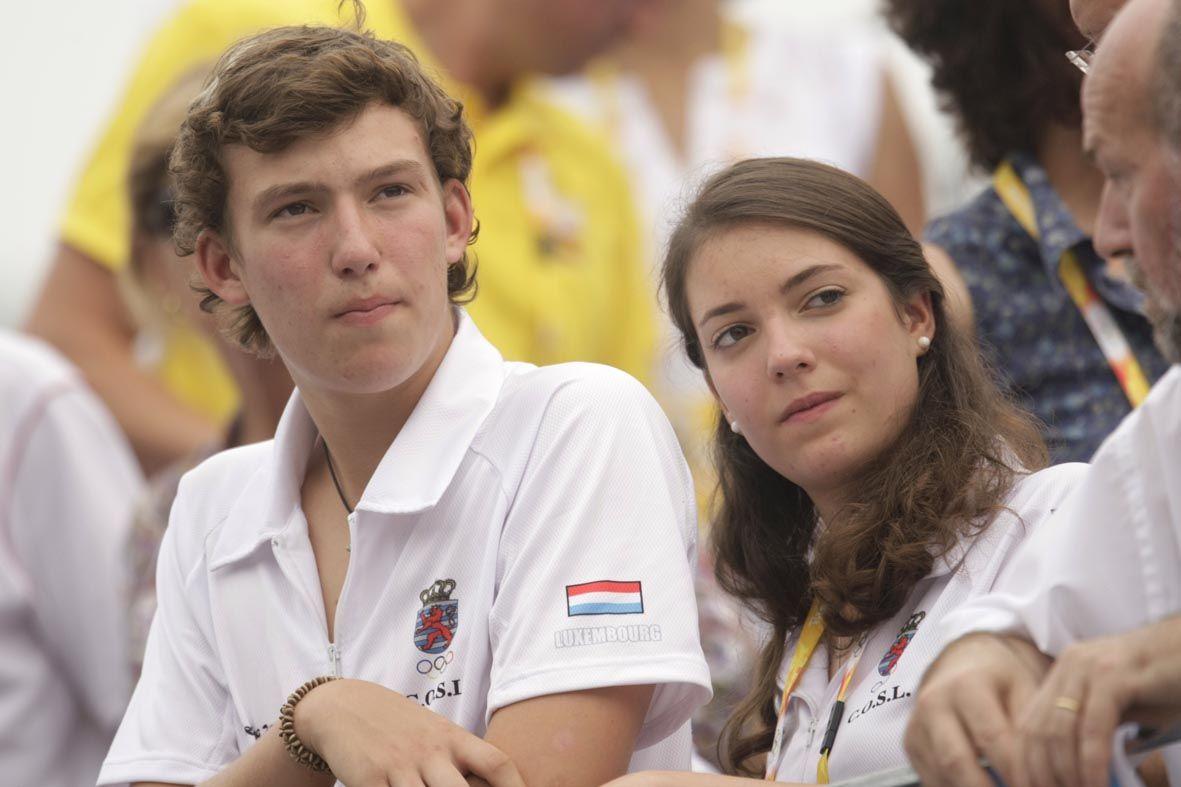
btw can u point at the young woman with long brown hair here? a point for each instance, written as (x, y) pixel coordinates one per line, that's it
(871, 476)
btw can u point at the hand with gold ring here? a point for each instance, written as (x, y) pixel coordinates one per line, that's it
(1068, 704)
(1068, 726)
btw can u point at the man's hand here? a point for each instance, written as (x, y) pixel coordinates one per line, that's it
(373, 737)
(1069, 724)
(966, 708)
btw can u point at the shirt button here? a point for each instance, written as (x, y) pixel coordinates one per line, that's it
(275, 542)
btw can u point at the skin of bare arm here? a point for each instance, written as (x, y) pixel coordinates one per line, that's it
(895, 171)
(377, 737)
(81, 313)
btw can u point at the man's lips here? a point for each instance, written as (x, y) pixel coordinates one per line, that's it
(810, 406)
(366, 309)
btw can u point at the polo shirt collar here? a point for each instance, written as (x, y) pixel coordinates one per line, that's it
(416, 469)
(1055, 225)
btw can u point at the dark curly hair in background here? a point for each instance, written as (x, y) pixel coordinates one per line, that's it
(999, 67)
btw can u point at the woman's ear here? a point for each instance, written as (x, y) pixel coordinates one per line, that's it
(918, 315)
(218, 269)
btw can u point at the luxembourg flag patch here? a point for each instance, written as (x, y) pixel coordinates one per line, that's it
(605, 597)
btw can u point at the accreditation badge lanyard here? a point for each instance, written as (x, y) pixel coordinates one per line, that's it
(810, 634)
(1015, 195)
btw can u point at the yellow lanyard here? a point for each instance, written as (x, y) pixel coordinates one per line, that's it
(810, 634)
(1015, 195)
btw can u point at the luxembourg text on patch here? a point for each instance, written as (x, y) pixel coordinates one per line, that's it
(605, 597)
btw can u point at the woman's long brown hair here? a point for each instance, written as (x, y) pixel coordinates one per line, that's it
(952, 465)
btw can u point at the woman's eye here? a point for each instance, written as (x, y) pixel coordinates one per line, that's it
(828, 297)
(730, 336)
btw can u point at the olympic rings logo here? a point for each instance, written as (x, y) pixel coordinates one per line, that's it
(437, 664)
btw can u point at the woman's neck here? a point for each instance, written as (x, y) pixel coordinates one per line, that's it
(668, 41)
(1076, 180)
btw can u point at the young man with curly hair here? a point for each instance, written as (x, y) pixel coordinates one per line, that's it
(444, 566)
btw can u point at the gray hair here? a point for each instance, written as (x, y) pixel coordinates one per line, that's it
(1167, 80)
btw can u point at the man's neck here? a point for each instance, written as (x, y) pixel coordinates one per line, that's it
(1076, 180)
(360, 428)
(451, 32)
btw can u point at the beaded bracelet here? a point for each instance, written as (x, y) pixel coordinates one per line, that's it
(300, 753)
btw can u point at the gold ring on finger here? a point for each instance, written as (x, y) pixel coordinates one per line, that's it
(1069, 704)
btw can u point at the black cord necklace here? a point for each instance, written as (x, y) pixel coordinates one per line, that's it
(339, 491)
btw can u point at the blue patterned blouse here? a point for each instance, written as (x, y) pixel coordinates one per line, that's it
(1030, 329)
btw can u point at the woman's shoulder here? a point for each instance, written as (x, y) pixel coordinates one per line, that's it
(1033, 499)
(1045, 489)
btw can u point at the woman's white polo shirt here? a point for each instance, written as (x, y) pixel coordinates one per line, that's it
(529, 532)
(899, 651)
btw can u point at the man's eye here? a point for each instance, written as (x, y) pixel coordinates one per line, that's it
(294, 209)
(392, 191)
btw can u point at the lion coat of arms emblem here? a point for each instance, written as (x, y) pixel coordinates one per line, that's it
(436, 622)
(890, 660)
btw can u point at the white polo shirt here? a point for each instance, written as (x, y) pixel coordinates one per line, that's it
(899, 651)
(68, 483)
(530, 531)
(1110, 560)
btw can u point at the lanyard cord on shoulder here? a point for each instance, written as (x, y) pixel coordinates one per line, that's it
(1111, 340)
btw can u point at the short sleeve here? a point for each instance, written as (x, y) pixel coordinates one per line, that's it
(70, 507)
(1106, 561)
(595, 587)
(179, 726)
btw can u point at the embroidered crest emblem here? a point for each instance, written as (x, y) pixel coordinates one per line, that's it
(438, 619)
(890, 660)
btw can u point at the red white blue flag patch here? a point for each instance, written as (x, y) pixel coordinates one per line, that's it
(605, 597)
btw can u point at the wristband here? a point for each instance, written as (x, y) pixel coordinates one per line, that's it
(295, 747)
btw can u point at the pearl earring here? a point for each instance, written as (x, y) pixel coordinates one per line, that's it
(924, 343)
(735, 428)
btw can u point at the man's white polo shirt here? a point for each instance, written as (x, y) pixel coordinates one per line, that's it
(529, 532)
(1110, 560)
(899, 651)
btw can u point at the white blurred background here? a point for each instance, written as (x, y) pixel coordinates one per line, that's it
(64, 62)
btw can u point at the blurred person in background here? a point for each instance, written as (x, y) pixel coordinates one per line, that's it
(1099, 587)
(67, 485)
(561, 273)
(1065, 329)
(158, 284)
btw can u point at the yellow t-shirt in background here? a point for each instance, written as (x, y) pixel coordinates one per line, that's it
(560, 271)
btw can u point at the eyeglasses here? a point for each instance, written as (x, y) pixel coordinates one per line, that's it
(1081, 58)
